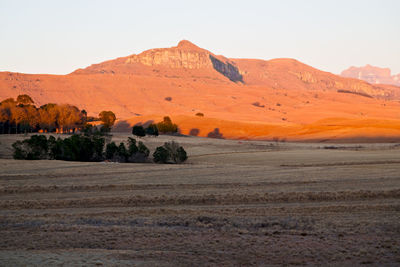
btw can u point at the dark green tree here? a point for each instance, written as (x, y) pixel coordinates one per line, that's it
(160, 155)
(33, 148)
(152, 130)
(132, 148)
(143, 149)
(170, 152)
(111, 150)
(122, 153)
(138, 130)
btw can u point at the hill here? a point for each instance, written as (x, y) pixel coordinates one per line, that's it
(184, 80)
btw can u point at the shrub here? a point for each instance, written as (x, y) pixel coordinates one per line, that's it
(168, 98)
(138, 130)
(199, 114)
(257, 104)
(170, 152)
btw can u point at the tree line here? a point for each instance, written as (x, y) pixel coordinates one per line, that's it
(93, 146)
(22, 116)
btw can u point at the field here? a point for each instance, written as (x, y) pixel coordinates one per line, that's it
(232, 203)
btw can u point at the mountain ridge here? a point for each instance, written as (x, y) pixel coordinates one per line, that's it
(185, 79)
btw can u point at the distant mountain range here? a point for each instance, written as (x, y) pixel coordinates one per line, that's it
(243, 98)
(372, 75)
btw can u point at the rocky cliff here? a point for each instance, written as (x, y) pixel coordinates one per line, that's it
(185, 55)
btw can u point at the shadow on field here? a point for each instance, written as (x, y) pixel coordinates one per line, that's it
(194, 132)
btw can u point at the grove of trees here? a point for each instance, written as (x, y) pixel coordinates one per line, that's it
(22, 116)
(93, 147)
(91, 144)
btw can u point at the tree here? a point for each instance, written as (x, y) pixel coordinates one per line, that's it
(122, 153)
(48, 117)
(160, 155)
(111, 150)
(132, 148)
(69, 118)
(22, 116)
(6, 115)
(152, 130)
(24, 100)
(84, 116)
(166, 126)
(143, 149)
(108, 118)
(78, 148)
(138, 130)
(19, 119)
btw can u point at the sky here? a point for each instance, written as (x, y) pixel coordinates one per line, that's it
(57, 37)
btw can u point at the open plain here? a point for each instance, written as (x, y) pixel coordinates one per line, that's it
(233, 202)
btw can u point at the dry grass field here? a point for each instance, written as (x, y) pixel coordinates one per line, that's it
(232, 203)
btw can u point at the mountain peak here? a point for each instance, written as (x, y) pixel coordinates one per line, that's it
(187, 45)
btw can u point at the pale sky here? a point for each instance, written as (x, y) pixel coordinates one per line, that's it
(57, 37)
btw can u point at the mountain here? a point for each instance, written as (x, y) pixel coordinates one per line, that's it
(372, 75)
(241, 98)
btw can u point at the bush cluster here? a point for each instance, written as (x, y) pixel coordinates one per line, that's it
(170, 152)
(81, 147)
(134, 153)
(140, 131)
(74, 148)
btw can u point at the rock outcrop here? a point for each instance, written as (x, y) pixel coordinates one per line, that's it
(186, 55)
